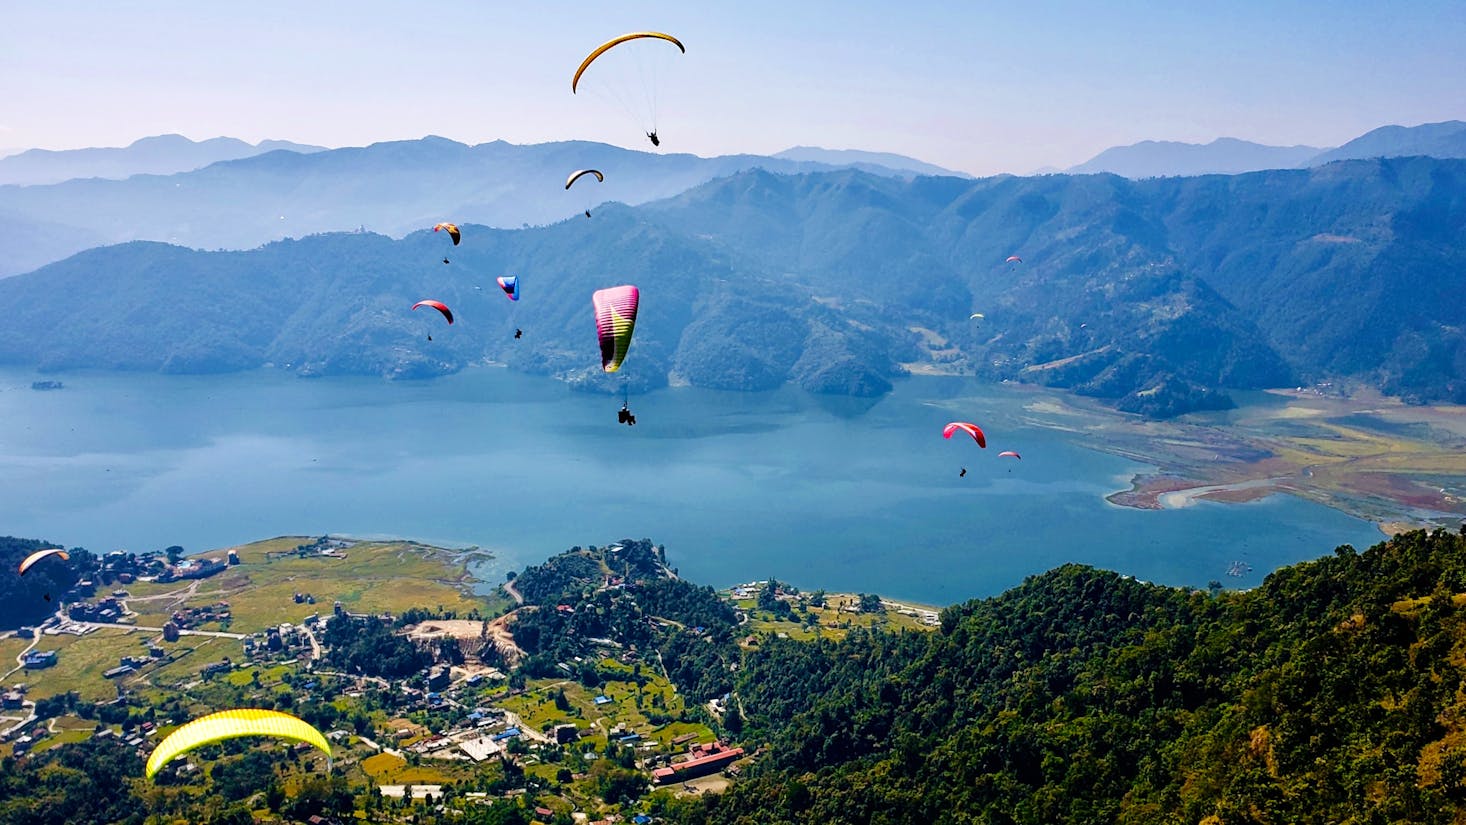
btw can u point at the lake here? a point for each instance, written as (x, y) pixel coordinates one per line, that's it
(834, 493)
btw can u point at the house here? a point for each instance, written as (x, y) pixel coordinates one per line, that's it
(603, 699)
(11, 700)
(702, 760)
(36, 660)
(119, 671)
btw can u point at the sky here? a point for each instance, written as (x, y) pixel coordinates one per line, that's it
(982, 87)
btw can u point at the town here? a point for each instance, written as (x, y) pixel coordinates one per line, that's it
(575, 691)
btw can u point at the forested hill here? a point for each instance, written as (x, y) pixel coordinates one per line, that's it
(1331, 693)
(1157, 295)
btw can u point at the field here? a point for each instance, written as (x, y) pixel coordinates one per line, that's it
(80, 663)
(834, 620)
(366, 577)
(1370, 456)
(537, 710)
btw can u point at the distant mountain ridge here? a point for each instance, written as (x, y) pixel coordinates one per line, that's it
(394, 188)
(1437, 140)
(1230, 156)
(1154, 295)
(866, 161)
(158, 155)
(1227, 156)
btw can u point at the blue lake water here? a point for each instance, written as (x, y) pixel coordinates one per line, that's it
(840, 494)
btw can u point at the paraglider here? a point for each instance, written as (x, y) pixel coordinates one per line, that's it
(623, 75)
(1013, 259)
(439, 306)
(577, 175)
(615, 319)
(26, 563)
(510, 285)
(451, 229)
(230, 724)
(970, 429)
(1010, 454)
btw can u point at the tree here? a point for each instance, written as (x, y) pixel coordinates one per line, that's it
(174, 553)
(870, 603)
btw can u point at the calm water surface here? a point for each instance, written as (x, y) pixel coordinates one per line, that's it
(834, 493)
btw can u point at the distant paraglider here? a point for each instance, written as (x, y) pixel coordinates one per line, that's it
(964, 427)
(451, 229)
(41, 554)
(577, 175)
(439, 306)
(230, 724)
(1013, 259)
(1010, 454)
(510, 285)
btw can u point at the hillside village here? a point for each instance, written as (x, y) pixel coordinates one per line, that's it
(583, 688)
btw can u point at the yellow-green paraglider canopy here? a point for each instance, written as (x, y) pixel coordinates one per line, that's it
(231, 724)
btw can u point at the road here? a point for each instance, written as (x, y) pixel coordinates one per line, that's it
(315, 645)
(215, 633)
(509, 588)
(374, 746)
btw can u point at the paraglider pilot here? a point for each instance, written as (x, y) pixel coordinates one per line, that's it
(963, 473)
(518, 333)
(624, 416)
(652, 136)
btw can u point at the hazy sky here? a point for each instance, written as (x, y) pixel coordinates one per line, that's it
(982, 86)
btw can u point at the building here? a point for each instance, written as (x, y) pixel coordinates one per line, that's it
(481, 748)
(438, 678)
(11, 700)
(118, 672)
(36, 660)
(565, 734)
(170, 632)
(702, 760)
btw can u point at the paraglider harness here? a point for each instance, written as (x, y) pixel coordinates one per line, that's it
(624, 416)
(652, 135)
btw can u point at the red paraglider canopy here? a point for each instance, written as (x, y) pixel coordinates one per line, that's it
(439, 306)
(970, 429)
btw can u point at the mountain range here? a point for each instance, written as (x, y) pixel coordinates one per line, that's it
(158, 155)
(1156, 295)
(1230, 156)
(393, 188)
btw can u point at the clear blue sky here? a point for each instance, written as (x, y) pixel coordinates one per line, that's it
(980, 86)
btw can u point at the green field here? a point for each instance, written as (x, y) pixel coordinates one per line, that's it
(81, 662)
(536, 707)
(374, 577)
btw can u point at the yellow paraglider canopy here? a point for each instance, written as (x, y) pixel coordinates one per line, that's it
(230, 724)
(616, 41)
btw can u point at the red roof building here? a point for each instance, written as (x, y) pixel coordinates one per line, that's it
(702, 760)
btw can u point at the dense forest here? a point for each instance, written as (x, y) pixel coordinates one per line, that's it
(1331, 693)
